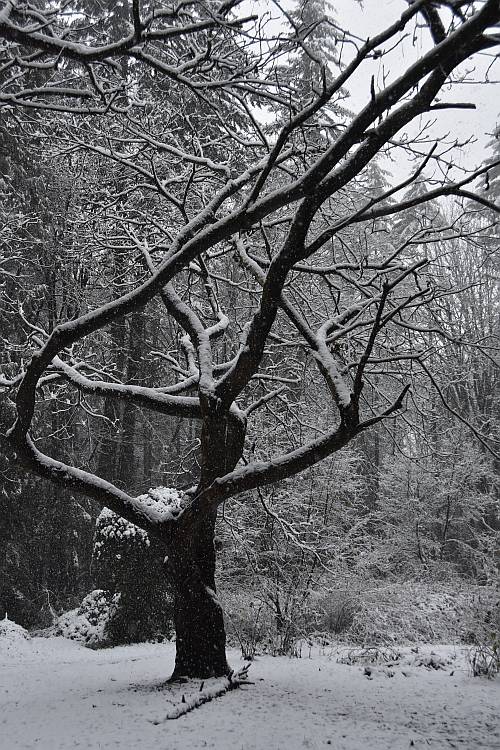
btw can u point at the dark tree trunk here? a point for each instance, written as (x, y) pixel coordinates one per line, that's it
(199, 621)
(199, 627)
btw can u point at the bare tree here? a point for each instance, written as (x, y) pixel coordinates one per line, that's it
(252, 214)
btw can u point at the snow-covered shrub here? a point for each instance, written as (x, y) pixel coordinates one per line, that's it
(483, 632)
(410, 612)
(274, 559)
(127, 562)
(482, 619)
(431, 661)
(11, 631)
(337, 611)
(253, 624)
(90, 623)
(247, 623)
(431, 513)
(484, 658)
(14, 639)
(370, 655)
(368, 613)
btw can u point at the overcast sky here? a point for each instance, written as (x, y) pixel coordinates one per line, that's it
(373, 16)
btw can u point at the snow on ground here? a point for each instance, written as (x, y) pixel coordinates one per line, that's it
(55, 695)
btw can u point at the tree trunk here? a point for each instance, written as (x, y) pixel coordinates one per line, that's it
(199, 621)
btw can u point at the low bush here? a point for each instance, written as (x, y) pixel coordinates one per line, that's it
(89, 624)
(483, 632)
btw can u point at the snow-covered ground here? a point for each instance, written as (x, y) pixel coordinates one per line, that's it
(55, 694)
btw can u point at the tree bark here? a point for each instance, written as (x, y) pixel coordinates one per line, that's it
(199, 621)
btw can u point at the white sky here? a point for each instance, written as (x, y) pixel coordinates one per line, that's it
(371, 17)
(374, 16)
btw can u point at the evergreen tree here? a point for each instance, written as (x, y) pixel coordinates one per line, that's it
(125, 561)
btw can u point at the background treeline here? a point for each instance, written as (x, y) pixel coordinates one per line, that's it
(413, 500)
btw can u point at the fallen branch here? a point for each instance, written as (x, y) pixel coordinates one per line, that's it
(207, 694)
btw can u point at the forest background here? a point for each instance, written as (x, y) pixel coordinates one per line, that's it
(393, 538)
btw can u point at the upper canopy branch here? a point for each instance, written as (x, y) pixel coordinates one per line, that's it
(260, 473)
(199, 217)
(46, 42)
(318, 185)
(149, 398)
(44, 35)
(316, 341)
(77, 480)
(203, 232)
